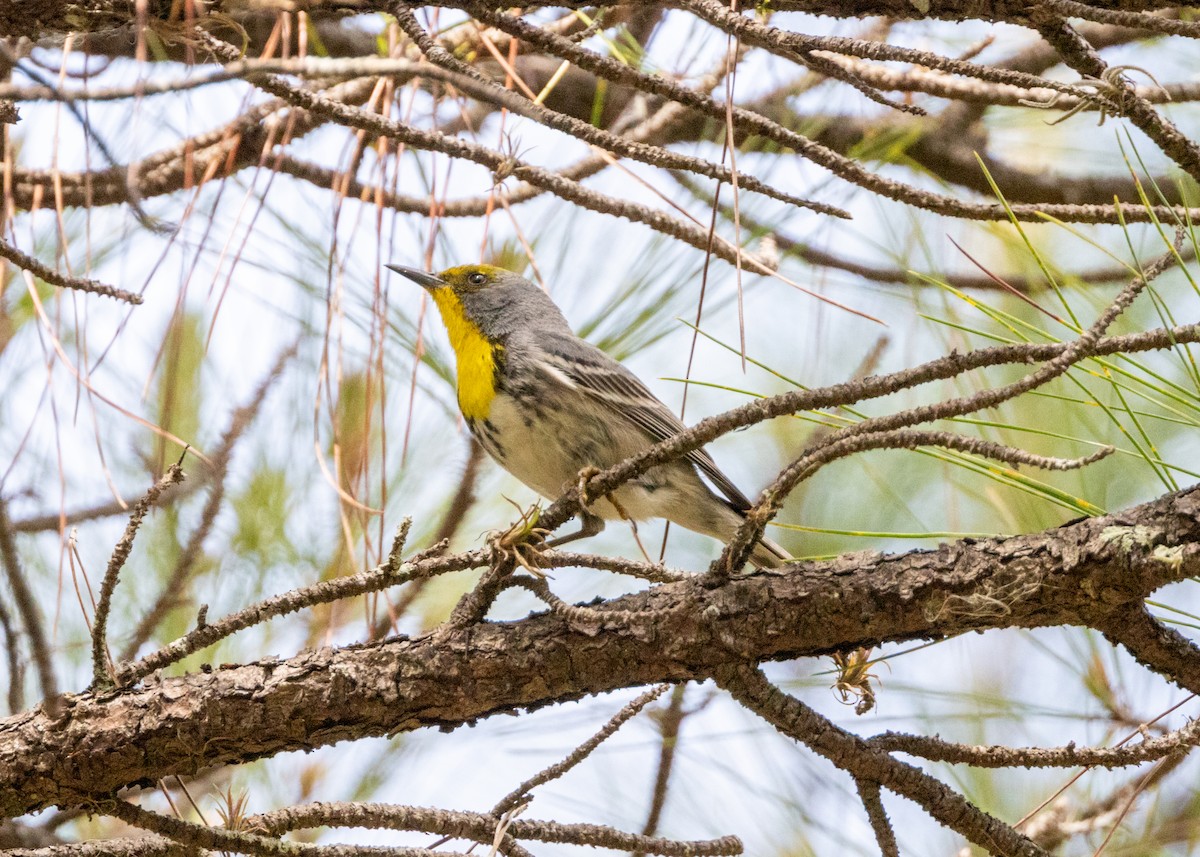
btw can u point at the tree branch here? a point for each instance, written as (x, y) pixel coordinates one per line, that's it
(1079, 574)
(864, 762)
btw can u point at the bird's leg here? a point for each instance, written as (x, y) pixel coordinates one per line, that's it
(585, 499)
(625, 516)
(590, 525)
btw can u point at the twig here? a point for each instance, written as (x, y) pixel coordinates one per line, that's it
(669, 722)
(82, 284)
(1052, 830)
(843, 444)
(852, 754)
(30, 616)
(869, 794)
(653, 572)
(1118, 18)
(827, 67)
(116, 562)
(993, 94)
(577, 615)
(373, 580)
(146, 845)
(771, 500)
(628, 712)
(935, 749)
(16, 672)
(480, 828)
(222, 839)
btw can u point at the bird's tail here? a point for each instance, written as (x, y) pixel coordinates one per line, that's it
(764, 554)
(705, 512)
(767, 554)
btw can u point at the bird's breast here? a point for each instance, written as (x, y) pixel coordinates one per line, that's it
(478, 360)
(477, 367)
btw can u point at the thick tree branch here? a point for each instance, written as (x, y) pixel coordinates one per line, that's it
(864, 762)
(1083, 573)
(39, 18)
(1154, 645)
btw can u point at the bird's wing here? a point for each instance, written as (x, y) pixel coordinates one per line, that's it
(594, 372)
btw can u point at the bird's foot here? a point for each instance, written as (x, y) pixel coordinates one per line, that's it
(585, 499)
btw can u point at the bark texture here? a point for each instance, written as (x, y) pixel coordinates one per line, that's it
(1083, 573)
(40, 18)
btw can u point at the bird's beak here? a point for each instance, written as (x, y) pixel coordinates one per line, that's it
(421, 278)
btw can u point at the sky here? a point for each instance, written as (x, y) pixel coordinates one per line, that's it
(257, 276)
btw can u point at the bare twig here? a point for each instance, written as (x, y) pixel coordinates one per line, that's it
(190, 554)
(670, 720)
(116, 562)
(30, 615)
(280, 605)
(55, 278)
(869, 794)
(935, 749)
(864, 762)
(628, 712)
(1117, 18)
(771, 499)
(217, 838)
(12, 640)
(480, 828)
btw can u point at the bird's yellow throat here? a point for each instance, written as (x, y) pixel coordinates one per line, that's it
(476, 356)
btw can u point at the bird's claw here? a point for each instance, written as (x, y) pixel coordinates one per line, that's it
(586, 474)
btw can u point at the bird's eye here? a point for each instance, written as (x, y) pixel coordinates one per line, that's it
(477, 279)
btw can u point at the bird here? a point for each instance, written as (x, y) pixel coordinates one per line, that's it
(547, 405)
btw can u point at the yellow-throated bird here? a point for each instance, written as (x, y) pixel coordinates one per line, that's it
(546, 404)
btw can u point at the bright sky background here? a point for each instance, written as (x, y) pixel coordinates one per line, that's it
(734, 774)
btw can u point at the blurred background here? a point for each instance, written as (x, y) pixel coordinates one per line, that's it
(315, 389)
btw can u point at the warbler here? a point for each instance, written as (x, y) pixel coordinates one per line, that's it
(546, 405)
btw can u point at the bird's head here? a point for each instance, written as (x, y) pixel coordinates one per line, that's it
(494, 300)
(463, 279)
